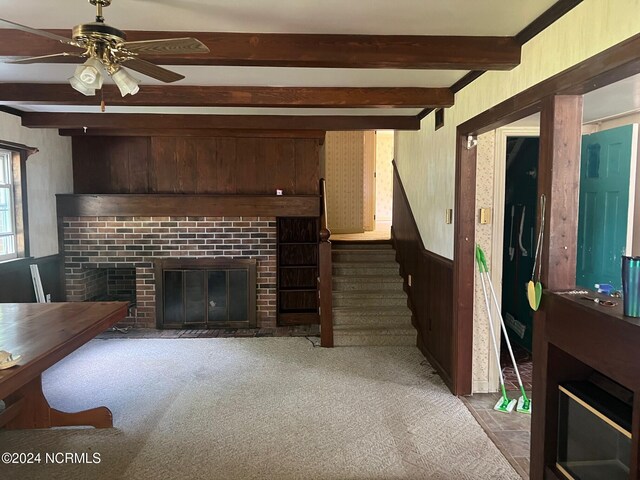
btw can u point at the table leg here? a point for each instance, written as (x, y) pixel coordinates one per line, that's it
(35, 411)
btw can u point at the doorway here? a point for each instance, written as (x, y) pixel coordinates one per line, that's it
(359, 173)
(520, 208)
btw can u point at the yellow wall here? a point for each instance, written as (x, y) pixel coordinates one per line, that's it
(426, 159)
(384, 175)
(48, 172)
(343, 165)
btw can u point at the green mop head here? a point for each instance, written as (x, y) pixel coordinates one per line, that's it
(524, 403)
(504, 404)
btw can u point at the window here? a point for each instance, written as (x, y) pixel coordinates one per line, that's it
(8, 243)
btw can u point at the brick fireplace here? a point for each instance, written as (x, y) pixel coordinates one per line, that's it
(113, 256)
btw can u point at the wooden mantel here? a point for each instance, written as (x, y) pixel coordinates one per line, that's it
(70, 205)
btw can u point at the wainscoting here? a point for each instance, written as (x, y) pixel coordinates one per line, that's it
(431, 290)
(16, 285)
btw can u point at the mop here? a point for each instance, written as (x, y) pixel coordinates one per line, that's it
(504, 404)
(524, 403)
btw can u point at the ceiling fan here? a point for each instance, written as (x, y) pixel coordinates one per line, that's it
(106, 48)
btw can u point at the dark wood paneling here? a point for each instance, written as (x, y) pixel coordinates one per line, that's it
(217, 96)
(307, 175)
(111, 165)
(307, 50)
(464, 267)
(220, 165)
(572, 338)
(235, 122)
(193, 205)
(431, 290)
(194, 132)
(16, 285)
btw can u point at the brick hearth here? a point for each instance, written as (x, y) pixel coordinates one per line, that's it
(92, 245)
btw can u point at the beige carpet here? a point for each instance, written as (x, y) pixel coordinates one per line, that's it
(258, 408)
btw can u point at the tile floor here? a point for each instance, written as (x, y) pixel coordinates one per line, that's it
(509, 431)
(525, 367)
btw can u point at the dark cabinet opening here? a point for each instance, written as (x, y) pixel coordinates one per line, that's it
(195, 293)
(298, 271)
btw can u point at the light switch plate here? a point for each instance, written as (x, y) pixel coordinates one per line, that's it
(485, 216)
(448, 216)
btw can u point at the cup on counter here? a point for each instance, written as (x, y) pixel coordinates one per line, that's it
(631, 286)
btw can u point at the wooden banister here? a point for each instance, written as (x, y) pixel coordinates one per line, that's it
(325, 283)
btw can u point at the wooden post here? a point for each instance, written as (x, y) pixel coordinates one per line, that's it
(559, 180)
(464, 265)
(325, 274)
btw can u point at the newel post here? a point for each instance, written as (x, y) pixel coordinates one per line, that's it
(325, 273)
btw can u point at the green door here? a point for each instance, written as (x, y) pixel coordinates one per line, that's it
(604, 202)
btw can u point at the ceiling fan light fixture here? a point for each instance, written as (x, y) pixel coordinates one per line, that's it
(89, 73)
(87, 77)
(125, 82)
(80, 86)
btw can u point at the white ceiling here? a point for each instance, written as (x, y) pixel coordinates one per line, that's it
(256, 76)
(387, 17)
(384, 17)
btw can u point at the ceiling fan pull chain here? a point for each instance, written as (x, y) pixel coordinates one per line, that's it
(103, 106)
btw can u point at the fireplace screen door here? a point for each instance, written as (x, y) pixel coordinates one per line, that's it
(206, 294)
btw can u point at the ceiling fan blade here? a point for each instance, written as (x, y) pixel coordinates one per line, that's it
(166, 46)
(42, 33)
(151, 70)
(54, 58)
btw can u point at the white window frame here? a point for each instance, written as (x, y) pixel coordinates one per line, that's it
(6, 162)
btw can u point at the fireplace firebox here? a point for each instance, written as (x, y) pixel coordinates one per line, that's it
(205, 293)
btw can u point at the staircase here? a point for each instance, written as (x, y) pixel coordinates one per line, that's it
(369, 304)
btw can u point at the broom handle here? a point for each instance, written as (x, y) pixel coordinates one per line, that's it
(493, 334)
(506, 335)
(482, 267)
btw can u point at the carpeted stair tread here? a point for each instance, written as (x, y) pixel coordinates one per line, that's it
(353, 335)
(378, 311)
(367, 283)
(361, 246)
(361, 268)
(377, 298)
(358, 256)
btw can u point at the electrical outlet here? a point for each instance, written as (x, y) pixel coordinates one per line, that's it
(409, 279)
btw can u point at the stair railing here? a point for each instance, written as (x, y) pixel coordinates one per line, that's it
(325, 273)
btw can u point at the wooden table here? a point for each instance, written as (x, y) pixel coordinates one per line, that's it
(45, 333)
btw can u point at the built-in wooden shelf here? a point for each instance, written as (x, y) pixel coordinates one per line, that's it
(297, 271)
(70, 205)
(573, 338)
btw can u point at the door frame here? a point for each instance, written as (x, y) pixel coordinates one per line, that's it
(497, 233)
(604, 68)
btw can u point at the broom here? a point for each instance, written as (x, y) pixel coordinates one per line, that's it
(524, 403)
(504, 404)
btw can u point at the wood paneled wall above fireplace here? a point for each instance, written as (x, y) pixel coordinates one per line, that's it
(196, 165)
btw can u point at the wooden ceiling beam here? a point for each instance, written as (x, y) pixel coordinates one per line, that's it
(306, 50)
(193, 132)
(214, 96)
(121, 121)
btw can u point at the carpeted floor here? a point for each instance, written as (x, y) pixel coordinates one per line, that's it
(258, 408)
